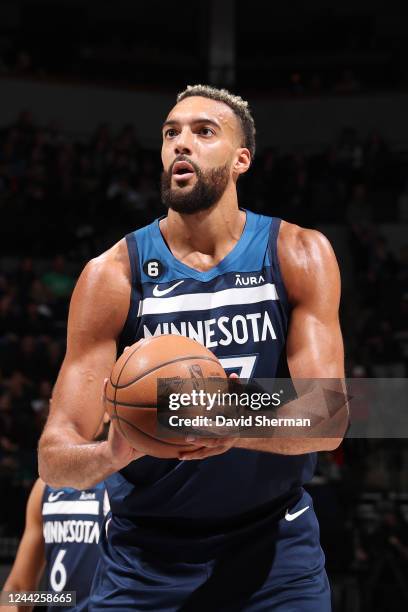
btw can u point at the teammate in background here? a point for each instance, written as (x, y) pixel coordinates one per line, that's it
(61, 535)
(228, 525)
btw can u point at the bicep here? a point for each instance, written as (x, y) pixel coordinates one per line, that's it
(97, 314)
(314, 343)
(315, 347)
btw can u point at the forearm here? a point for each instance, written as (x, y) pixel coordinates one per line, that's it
(288, 446)
(327, 416)
(16, 608)
(16, 587)
(68, 460)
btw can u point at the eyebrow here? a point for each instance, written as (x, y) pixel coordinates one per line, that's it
(196, 120)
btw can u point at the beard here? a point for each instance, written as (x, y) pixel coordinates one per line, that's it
(207, 191)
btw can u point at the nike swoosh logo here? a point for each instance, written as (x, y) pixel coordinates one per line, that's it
(159, 292)
(54, 496)
(292, 517)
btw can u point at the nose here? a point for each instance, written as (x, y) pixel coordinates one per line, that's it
(182, 144)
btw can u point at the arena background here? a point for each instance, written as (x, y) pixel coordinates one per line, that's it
(84, 88)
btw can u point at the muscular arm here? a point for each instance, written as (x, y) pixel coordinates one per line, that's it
(29, 565)
(314, 342)
(99, 306)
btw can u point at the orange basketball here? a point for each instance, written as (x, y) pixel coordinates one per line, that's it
(131, 392)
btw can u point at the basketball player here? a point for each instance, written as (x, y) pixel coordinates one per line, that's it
(227, 526)
(61, 535)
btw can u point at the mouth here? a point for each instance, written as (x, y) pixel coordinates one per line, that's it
(182, 171)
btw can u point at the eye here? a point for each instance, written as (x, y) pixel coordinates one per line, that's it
(170, 133)
(206, 131)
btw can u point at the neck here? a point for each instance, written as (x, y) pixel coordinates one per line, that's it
(212, 232)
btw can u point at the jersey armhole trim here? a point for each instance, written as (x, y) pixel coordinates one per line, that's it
(128, 328)
(273, 250)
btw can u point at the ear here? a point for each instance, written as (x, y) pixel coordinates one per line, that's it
(242, 161)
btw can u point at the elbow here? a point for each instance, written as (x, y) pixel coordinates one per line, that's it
(46, 463)
(336, 429)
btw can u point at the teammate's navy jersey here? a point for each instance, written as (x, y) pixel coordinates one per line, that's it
(239, 310)
(72, 521)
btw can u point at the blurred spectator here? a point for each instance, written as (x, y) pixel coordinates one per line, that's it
(315, 85)
(8, 316)
(40, 404)
(121, 191)
(348, 83)
(296, 86)
(385, 352)
(58, 280)
(359, 211)
(8, 437)
(350, 153)
(36, 319)
(375, 155)
(23, 62)
(402, 205)
(385, 553)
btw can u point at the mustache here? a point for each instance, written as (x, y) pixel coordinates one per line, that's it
(184, 158)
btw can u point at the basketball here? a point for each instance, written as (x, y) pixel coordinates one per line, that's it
(131, 392)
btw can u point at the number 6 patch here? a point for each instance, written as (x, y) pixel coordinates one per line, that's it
(153, 268)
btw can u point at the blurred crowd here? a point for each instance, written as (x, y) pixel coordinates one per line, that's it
(33, 313)
(62, 195)
(21, 63)
(346, 65)
(75, 194)
(63, 201)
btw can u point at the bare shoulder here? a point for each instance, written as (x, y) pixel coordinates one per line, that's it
(101, 295)
(307, 261)
(303, 245)
(112, 266)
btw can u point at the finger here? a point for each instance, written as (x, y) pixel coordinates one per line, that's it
(105, 382)
(209, 450)
(207, 442)
(133, 345)
(202, 453)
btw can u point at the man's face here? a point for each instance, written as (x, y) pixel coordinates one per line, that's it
(201, 140)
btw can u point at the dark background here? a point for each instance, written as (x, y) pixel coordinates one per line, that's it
(84, 88)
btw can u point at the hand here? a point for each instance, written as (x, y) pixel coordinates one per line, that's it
(117, 451)
(208, 447)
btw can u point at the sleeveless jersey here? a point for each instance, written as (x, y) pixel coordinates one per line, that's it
(72, 521)
(239, 310)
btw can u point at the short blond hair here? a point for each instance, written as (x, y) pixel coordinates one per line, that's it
(239, 106)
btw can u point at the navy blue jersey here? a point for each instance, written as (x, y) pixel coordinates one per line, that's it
(239, 310)
(72, 521)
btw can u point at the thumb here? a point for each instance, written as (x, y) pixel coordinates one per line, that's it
(105, 382)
